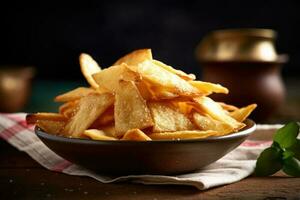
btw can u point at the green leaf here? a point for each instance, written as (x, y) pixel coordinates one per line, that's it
(276, 145)
(295, 148)
(286, 136)
(291, 166)
(287, 154)
(269, 162)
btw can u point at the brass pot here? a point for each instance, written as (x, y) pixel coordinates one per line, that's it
(246, 62)
(239, 45)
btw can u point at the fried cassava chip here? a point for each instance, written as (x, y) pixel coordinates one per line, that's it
(135, 57)
(74, 94)
(136, 135)
(89, 109)
(131, 110)
(168, 118)
(89, 67)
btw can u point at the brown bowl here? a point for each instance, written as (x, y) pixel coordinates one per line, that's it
(146, 157)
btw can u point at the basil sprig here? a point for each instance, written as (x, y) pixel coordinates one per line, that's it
(283, 154)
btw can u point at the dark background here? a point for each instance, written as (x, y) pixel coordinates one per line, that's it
(50, 36)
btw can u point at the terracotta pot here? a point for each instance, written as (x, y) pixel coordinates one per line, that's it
(245, 61)
(248, 83)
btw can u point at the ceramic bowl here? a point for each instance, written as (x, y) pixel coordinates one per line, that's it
(146, 157)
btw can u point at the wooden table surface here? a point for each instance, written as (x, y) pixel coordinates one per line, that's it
(23, 178)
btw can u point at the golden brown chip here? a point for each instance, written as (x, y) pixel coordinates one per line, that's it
(242, 113)
(33, 118)
(136, 135)
(227, 106)
(105, 118)
(89, 67)
(183, 107)
(89, 109)
(154, 92)
(144, 89)
(207, 123)
(215, 111)
(74, 94)
(160, 93)
(109, 77)
(177, 135)
(66, 106)
(96, 134)
(181, 74)
(135, 57)
(53, 127)
(168, 118)
(159, 77)
(109, 130)
(70, 113)
(69, 108)
(131, 110)
(208, 88)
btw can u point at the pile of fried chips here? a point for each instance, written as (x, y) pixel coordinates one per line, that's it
(140, 98)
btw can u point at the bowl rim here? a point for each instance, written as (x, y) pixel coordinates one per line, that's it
(250, 128)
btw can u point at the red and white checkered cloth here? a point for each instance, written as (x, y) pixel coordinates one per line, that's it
(233, 167)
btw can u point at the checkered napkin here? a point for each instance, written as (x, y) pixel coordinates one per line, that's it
(233, 167)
